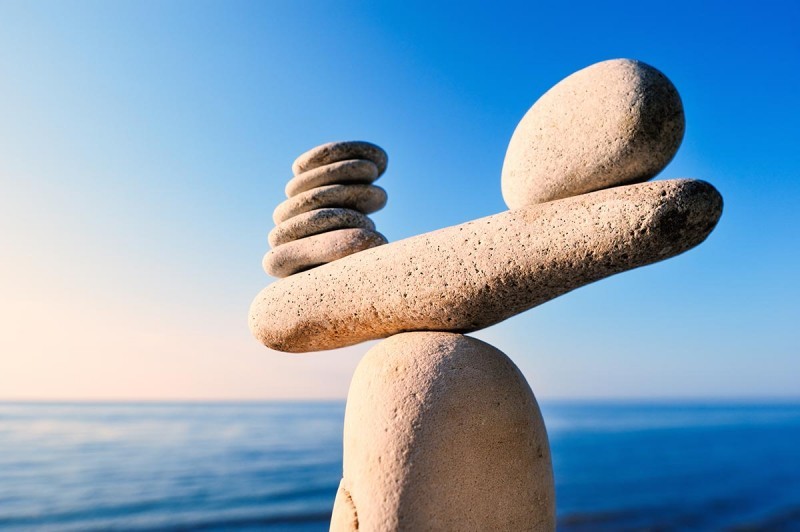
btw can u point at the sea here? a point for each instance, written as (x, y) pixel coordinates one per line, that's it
(622, 466)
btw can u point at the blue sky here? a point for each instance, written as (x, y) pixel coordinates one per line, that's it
(144, 145)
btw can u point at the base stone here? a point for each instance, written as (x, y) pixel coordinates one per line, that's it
(442, 432)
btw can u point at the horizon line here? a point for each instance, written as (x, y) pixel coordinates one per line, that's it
(731, 400)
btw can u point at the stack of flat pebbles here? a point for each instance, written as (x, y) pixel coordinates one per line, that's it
(324, 217)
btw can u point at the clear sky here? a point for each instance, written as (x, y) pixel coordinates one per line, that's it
(144, 145)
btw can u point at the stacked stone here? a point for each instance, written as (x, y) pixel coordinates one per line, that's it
(324, 217)
(442, 432)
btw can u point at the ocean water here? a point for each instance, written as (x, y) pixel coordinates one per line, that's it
(276, 466)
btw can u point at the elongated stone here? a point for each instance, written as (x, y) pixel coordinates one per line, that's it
(363, 198)
(442, 432)
(312, 251)
(340, 151)
(613, 123)
(318, 221)
(466, 277)
(350, 171)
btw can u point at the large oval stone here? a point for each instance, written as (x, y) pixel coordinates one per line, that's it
(442, 432)
(613, 123)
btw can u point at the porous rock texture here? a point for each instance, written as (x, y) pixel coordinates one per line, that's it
(442, 432)
(318, 221)
(467, 277)
(309, 252)
(339, 151)
(344, 511)
(363, 198)
(613, 123)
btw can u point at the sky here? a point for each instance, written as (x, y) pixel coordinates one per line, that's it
(144, 145)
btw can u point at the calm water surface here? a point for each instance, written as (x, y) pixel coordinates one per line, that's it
(276, 466)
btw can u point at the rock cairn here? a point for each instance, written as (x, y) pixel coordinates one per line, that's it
(442, 432)
(324, 217)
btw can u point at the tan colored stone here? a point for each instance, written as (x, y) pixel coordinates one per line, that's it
(442, 432)
(340, 151)
(318, 221)
(312, 251)
(470, 276)
(350, 171)
(344, 518)
(363, 198)
(613, 123)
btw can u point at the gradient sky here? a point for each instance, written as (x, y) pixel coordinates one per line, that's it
(144, 145)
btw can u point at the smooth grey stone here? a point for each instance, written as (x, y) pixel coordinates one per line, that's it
(614, 123)
(340, 151)
(312, 251)
(318, 221)
(470, 276)
(362, 198)
(350, 171)
(442, 432)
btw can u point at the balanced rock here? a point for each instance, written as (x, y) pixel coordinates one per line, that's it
(442, 432)
(466, 277)
(318, 221)
(340, 151)
(613, 123)
(324, 217)
(298, 255)
(349, 171)
(363, 198)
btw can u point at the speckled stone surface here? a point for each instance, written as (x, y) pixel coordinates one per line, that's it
(318, 221)
(349, 171)
(344, 517)
(312, 251)
(466, 277)
(613, 123)
(340, 151)
(363, 198)
(442, 432)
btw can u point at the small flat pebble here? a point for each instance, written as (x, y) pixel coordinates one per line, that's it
(362, 198)
(340, 151)
(318, 221)
(349, 171)
(306, 253)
